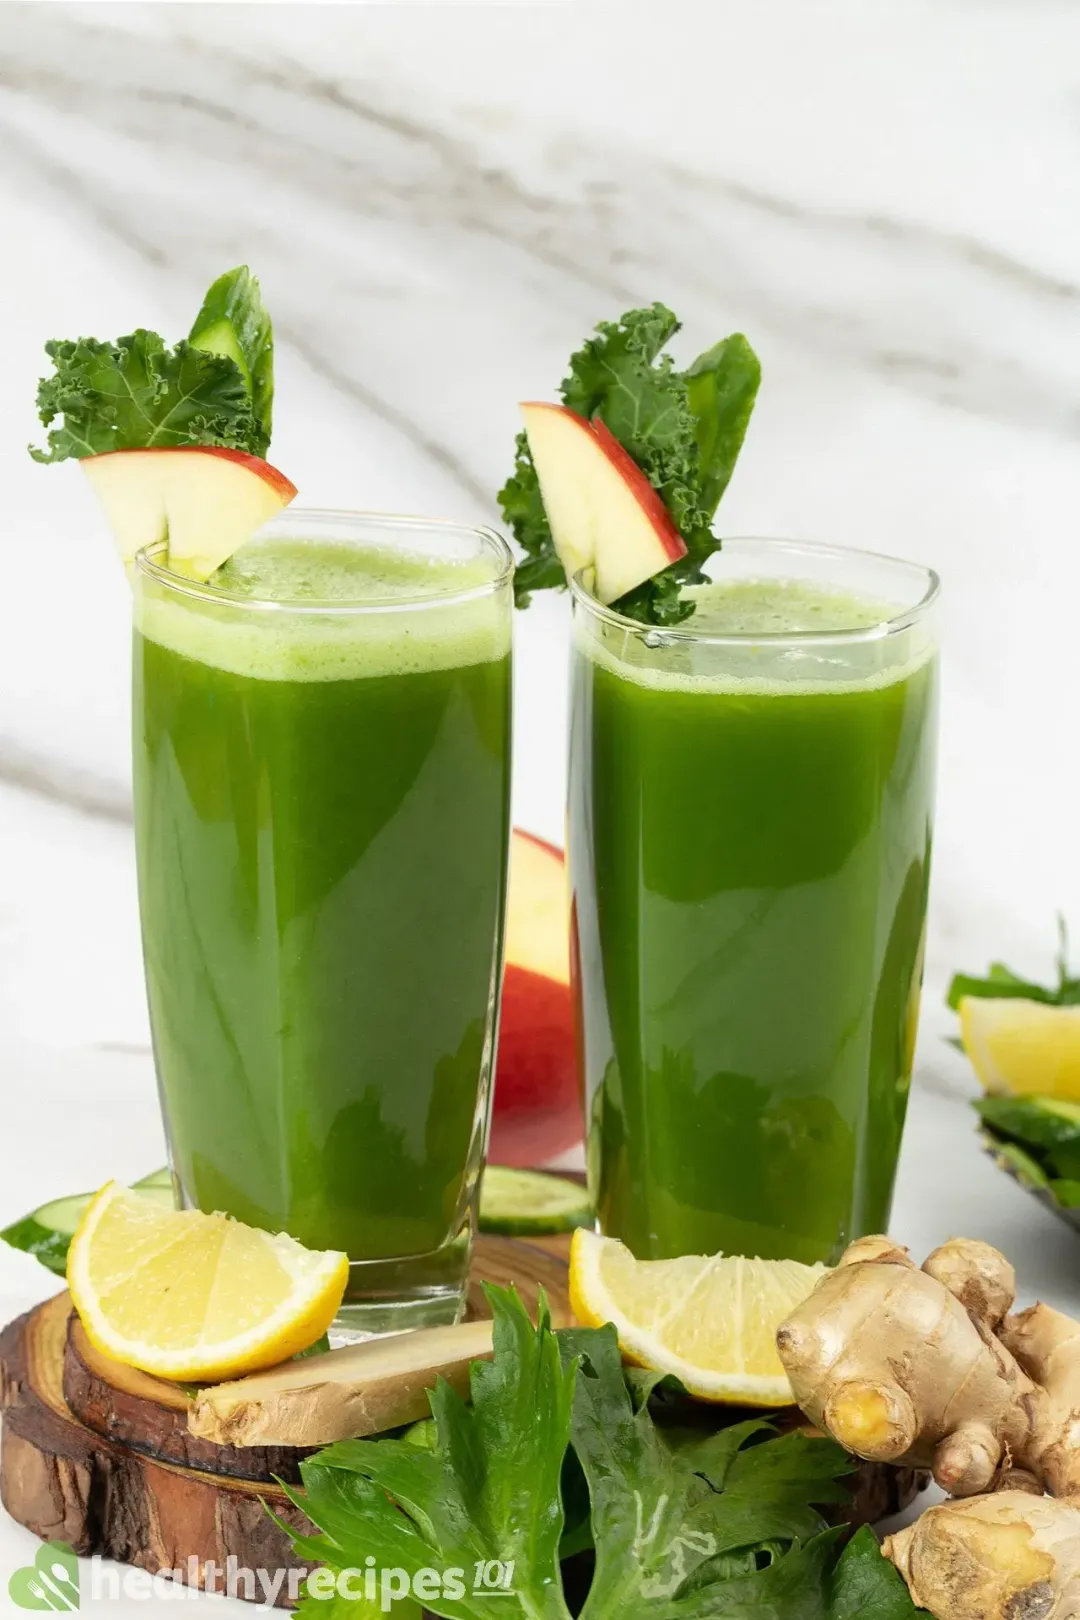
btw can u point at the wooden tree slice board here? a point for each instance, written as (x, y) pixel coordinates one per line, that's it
(150, 1415)
(99, 1456)
(66, 1483)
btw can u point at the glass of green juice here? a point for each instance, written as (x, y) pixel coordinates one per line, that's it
(750, 820)
(321, 774)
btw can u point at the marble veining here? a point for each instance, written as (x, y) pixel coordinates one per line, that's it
(598, 216)
(440, 202)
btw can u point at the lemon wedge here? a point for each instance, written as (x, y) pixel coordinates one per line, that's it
(711, 1320)
(190, 1296)
(1022, 1048)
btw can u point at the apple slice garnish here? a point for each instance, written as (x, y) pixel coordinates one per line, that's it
(203, 500)
(605, 516)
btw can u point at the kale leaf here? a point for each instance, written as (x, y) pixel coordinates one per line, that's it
(523, 509)
(235, 322)
(137, 394)
(684, 430)
(215, 388)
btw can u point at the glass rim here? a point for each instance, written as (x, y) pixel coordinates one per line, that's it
(895, 624)
(146, 562)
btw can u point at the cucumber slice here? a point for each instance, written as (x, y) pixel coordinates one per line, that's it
(156, 1178)
(1037, 1122)
(47, 1232)
(531, 1203)
(63, 1215)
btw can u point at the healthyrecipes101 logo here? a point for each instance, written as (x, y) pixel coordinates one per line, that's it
(52, 1582)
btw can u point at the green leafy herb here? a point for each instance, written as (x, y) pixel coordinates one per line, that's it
(421, 1433)
(676, 1517)
(621, 376)
(135, 394)
(42, 1242)
(1038, 1139)
(721, 387)
(684, 430)
(315, 1605)
(523, 508)
(1039, 1122)
(1019, 1162)
(235, 322)
(215, 388)
(1002, 982)
(865, 1586)
(319, 1348)
(686, 1522)
(1065, 1162)
(488, 1493)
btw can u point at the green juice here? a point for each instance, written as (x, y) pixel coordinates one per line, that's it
(321, 807)
(749, 843)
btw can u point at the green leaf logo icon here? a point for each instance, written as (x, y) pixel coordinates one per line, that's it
(50, 1582)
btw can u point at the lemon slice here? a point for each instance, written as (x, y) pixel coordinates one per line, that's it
(191, 1296)
(1023, 1048)
(709, 1319)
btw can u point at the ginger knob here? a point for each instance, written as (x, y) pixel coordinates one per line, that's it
(1011, 1556)
(978, 1275)
(874, 1420)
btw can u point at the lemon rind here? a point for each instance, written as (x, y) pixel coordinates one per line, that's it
(300, 1319)
(645, 1350)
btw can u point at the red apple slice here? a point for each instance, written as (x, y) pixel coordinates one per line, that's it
(203, 500)
(604, 513)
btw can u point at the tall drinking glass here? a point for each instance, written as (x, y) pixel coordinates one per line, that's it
(751, 802)
(321, 771)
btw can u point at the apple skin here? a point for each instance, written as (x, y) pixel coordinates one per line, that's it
(672, 542)
(262, 469)
(537, 1113)
(207, 499)
(607, 521)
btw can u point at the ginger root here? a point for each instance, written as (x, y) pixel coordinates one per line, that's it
(1047, 1346)
(1011, 1556)
(926, 1368)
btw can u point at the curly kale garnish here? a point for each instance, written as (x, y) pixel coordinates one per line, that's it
(136, 394)
(214, 388)
(683, 428)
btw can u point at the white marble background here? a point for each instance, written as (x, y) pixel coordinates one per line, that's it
(884, 194)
